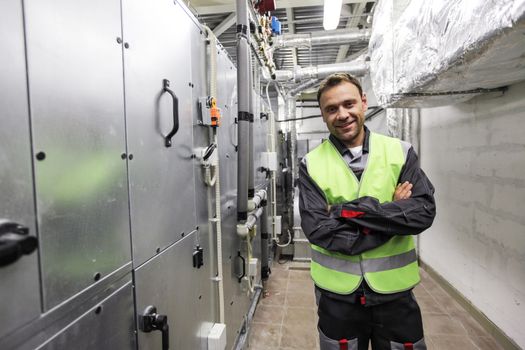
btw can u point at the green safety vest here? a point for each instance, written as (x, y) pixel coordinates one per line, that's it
(389, 268)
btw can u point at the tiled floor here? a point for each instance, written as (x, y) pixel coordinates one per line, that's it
(286, 316)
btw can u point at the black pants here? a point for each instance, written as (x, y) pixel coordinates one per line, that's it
(393, 325)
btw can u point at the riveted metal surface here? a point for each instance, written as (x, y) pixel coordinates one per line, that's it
(162, 185)
(108, 325)
(76, 93)
(171, 284)
(19, 286)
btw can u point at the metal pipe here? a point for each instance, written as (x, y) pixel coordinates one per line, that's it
(265, 237)
(325, 37)
(243, 86)
(356, 68)
(252, 218)
(301, 87)
(251, 109)
(257, 199)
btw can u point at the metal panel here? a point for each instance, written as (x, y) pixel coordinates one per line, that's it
(76, 92)
(201, 138)
(107, 326)
(174, 292)
(161, 178)
(236, 301)
(19, 286)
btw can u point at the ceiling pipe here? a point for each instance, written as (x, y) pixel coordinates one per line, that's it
(325, 37)
(356, 68)
(301, 87)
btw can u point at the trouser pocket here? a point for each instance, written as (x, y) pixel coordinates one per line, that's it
(419, 345)
(332, 344)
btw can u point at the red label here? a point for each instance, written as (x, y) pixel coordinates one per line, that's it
(351, 213)
(343, 344)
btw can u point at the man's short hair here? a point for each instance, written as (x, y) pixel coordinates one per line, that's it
(336, 79)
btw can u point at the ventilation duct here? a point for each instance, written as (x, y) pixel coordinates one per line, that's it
(325, 37)
(356, 68)
(437, 53)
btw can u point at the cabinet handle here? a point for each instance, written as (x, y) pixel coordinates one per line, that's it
(243, 266)
(151, 321)
(14, 242)
(167, 139)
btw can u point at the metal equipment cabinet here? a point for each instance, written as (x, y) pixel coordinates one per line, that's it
(162, 187)
(19, 286)
(77, 112)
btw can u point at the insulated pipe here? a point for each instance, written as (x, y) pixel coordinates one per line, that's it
(325, 37)
(252, 218)
(258, 198)
(251, 186)
(301, 87)
(243, 229)
(265, 236)
(355, 68)
(243, 105)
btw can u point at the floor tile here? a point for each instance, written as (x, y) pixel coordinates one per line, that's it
(486, 343)
(451, 342)
(429, 305)
(269, 314)
(435, 324)
(305, 317)
(265, 334)
(286, 317)
(298, 337)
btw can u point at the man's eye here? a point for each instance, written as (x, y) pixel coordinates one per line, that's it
(349, 105)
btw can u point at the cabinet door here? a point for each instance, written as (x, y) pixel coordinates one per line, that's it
(77, 107)
(170, 283)
(109, 325)
(19, 286)
(162, 186)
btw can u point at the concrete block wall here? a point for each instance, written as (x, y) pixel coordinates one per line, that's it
(474, 153)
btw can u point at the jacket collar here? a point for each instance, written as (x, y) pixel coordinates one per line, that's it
(342, 148)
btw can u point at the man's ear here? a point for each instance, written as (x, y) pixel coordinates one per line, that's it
(365, 102)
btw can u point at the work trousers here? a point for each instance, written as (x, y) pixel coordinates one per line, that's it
(393, 325)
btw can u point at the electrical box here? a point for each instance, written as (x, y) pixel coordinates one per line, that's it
(269, 160)
(209, 113)
(252, 267)
(277, 223)
(217, 337)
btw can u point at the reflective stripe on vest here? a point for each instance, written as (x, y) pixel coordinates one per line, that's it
(390, 268)
(369, 265)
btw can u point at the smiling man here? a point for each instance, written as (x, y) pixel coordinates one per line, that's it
(362, 197)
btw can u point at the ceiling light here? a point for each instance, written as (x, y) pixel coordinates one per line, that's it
(332, 13)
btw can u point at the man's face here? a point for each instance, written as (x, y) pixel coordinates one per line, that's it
(343, 111)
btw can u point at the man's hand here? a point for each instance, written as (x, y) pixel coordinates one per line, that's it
(403, 191)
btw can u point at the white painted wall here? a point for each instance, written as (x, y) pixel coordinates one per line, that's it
(474, 153)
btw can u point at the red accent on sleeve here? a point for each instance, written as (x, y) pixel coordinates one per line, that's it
(351, 213)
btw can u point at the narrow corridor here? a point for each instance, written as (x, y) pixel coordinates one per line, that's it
(286, 317)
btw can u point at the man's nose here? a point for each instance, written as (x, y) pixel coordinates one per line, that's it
(342, 113)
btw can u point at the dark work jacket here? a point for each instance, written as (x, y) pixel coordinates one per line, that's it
(329, 230)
